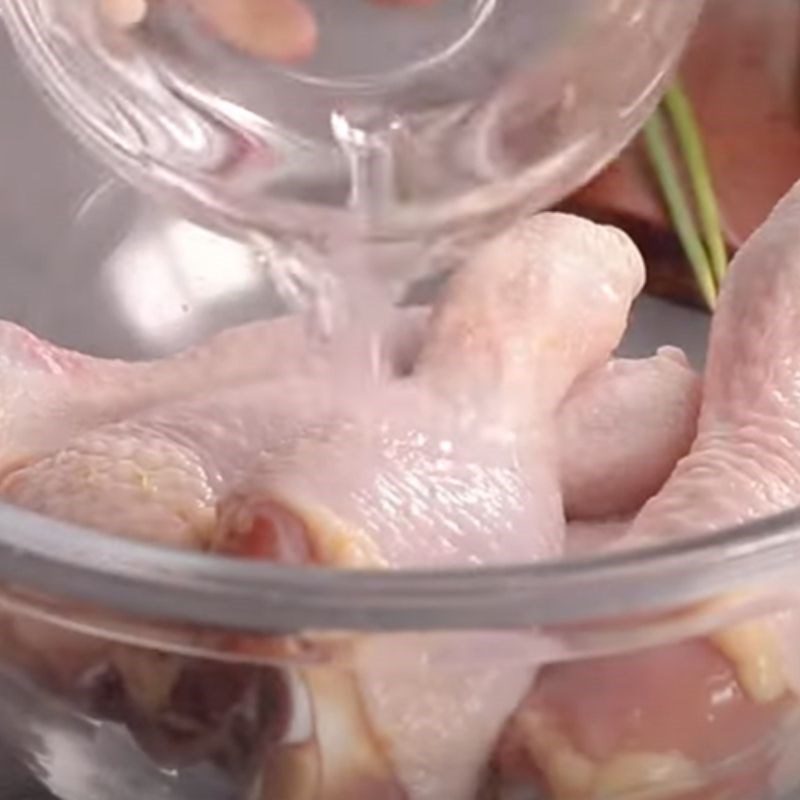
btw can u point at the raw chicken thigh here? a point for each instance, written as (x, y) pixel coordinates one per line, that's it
(728, 694)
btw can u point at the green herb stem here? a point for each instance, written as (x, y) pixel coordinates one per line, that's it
(661, 158)
(690, 141)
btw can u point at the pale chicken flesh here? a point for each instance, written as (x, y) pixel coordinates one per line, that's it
(637, 419)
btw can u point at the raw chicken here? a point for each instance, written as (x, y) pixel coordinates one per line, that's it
(634, 419)
(505, 343)
(724, 696)
(587, 538)
(48, 395)
(669, 723)
(744, 464)
(445, 467)
(537, 308)
(159, 475)
(432, 472)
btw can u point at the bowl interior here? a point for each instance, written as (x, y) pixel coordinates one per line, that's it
(90, 265)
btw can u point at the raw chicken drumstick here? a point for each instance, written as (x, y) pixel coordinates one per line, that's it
(430, 473)
(506, 341)
(744, 465)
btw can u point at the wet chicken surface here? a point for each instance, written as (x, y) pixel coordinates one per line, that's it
(497, 429)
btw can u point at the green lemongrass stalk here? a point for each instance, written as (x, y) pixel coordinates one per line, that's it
(660, 153)
(690, 140)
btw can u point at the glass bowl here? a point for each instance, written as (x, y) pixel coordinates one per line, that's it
(451, 117)
(131, 671)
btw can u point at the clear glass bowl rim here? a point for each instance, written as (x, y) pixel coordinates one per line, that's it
(177, 587)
